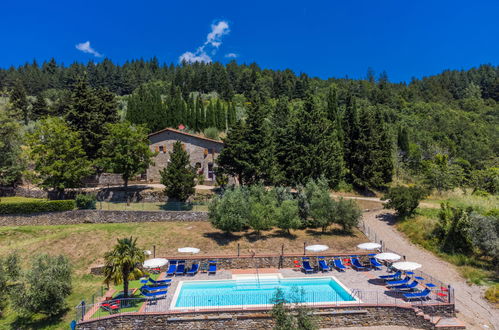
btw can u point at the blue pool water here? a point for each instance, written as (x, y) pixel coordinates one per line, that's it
(253, 292)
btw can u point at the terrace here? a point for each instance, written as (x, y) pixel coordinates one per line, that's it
(365, 287)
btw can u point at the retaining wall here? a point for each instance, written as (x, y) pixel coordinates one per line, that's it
(99, 216)
(357, 316)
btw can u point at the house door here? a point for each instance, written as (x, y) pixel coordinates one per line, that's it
(211, 174)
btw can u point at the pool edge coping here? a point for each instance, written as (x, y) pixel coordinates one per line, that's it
(201, 308)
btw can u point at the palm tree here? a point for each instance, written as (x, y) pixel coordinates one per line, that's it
(121, 262)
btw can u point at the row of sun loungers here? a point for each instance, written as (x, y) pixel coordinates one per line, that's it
(405, 286)
(337, 263)
(177, 267)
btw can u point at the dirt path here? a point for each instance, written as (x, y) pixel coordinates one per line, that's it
(472, 309)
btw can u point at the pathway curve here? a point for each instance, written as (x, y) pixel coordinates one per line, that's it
(471, 308)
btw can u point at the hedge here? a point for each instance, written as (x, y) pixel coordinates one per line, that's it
(37, 206)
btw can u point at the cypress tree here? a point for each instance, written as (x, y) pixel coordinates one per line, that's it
(350, 125)
(145, 106)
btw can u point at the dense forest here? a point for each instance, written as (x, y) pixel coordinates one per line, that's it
(278, 127)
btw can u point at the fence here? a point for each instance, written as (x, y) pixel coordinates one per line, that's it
(424, 278)
(247, 302)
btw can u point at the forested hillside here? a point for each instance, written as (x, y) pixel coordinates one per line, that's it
(279, 127)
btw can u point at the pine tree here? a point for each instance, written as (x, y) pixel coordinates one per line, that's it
(88, 112)
(19, 101)
(200, 116)
(40, 107)
(371, 154)
(235, 158)
(178, 177)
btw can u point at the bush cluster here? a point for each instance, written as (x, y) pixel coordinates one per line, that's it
(260, 209)
(37, 206)
(85, 202)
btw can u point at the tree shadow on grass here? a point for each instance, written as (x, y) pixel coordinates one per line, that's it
(284, 234)
(37, 321)
(253, 237)
(222, 239)
(332, 232)
(389, 218)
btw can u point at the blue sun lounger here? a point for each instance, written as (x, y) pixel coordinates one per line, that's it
(323, 265)
(374, 263)
(212, 268)
(172, 268)
(159, 282)
(399, 282)
(339, 265)
(153, 288)
(356, 264)
(417, 295)
(391, 276)
(409, 286)
(154, 295)
(305, 265)
(180, 268)
(194, 269)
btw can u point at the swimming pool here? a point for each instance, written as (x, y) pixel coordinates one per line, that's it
(253, 292)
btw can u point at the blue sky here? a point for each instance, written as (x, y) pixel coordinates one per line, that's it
(326, 38)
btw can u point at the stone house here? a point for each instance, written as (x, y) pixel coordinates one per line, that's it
(202, 152)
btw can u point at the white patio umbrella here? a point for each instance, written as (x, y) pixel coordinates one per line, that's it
(369, 246)
(388, 256)
(317, 248)
(188, 250)
(155, 263)
(406, 265)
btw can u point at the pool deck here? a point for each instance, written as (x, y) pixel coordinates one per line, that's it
(363, 284)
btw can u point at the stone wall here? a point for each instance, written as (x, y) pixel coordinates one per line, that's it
(249, 261)
(355, 316)
(99, 216)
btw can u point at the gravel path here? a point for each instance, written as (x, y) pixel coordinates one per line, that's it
(471, 308)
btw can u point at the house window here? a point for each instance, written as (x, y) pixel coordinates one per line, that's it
(162, 149)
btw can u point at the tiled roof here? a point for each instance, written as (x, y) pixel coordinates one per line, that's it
(185, 133)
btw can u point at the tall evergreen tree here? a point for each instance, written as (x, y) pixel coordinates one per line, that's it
(88, 112)
(371, 152)
(40, 107)
(145, 106)
(350, 125)
(314, 150)
(178, 177)
(19, 101)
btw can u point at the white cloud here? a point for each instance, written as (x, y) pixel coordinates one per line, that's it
(231, 55)
(213, 42)
(86, 48)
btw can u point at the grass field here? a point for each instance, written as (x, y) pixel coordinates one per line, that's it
(476, 270)
(85, 245)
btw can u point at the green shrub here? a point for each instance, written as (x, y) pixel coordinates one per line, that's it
(85, 202)
(36, 206)
(404, 200)
(211, 133)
